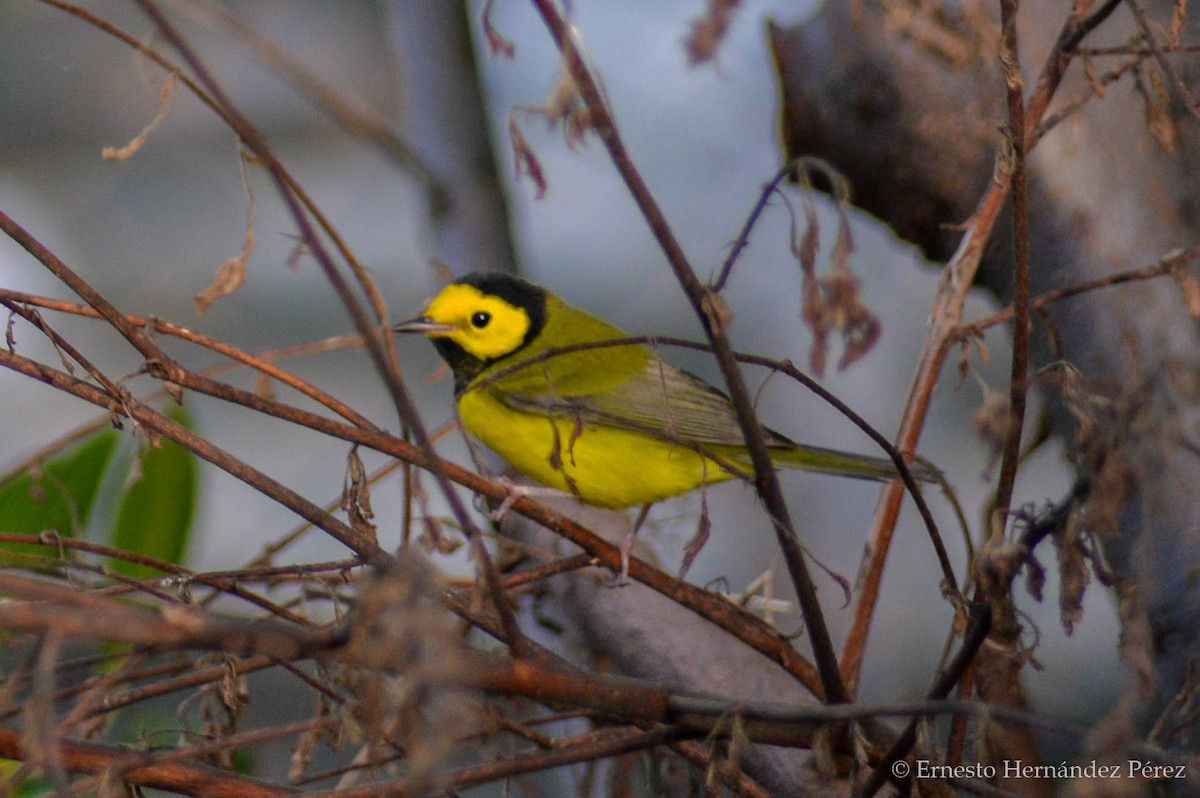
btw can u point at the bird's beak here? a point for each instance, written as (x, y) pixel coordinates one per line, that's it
(423, 324)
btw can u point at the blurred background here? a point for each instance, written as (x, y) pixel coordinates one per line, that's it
(150, 232)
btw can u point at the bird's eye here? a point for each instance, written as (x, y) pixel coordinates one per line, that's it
(481, 319)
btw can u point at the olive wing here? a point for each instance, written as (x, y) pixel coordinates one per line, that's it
(660, 400)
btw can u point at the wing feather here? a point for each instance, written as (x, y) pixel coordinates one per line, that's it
(661, 400)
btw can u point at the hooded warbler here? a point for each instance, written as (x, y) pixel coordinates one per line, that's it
(616, 426)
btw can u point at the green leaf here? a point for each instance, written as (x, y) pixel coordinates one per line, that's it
(26, 788)
(59, 496)
(155, 518)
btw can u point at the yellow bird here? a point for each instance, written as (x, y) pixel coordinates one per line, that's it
(615, 426)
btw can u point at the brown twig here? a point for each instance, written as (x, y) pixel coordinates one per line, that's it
(1165, 266)
(613, 743)
(1015, 166)
(1164, 63)
(49, 607)
(741, 624)
(385, 367)
(361, 274)
(331, 100)
(189, 778)
(955, 284)
(160, 424)
(975, 636)
(718, 283)
(262, 363)
(708, 308)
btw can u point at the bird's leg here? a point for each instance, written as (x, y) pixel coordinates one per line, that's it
(518, 491)
(627, 546)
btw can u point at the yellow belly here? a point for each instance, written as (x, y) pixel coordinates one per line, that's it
(600, 465)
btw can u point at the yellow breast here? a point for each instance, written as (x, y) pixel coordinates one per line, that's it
(600, 465)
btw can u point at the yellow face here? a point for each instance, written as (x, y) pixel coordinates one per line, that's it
(482, 324)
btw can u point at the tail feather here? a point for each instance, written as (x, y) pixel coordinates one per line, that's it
(847, 464)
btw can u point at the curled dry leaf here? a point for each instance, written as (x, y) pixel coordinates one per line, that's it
(306, 741)
(232, 274)
(1073, 574)
(135, 144)
(264, 386)
(526, 160)
(1035, 577)
(356, 495)
(411, 663)
(229, 279)
(498, 45)
(716, 311)
(698, 540)
(564, 105)
(832, 302)
(1189, 287)
(1155, 107)
(708, 30)
(991, 422)
(235, 691)
(853, 318)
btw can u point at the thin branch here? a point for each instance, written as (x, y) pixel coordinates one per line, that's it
(975, 636)
(709, 309)
(331, 100)
(1167, 66)
(787, 368)
(718, 283)
(957, 278)
(401, 399)
(614, 743)
(189, 778)
(160, 424)
(1018, 378)
(1165, 266)
(741, 624)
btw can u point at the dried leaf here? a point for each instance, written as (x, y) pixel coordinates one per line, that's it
(699, 539)
(264, 386)
(831, 302)
(1035, 577)
(232, 275)
(1155, 103)
(1094, 81)
(307, 741)
(716, 311)
(229, 279)
(527, 162)
(991, 422)
(708, 30)
(356, 495)
(1189, 287)
(135, 144)
(235, 690)
(9, 338)
(1073, 575)
(498, 45)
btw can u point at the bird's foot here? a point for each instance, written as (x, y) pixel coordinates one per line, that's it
(621, 578)
(518, 491)
(626, 548)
